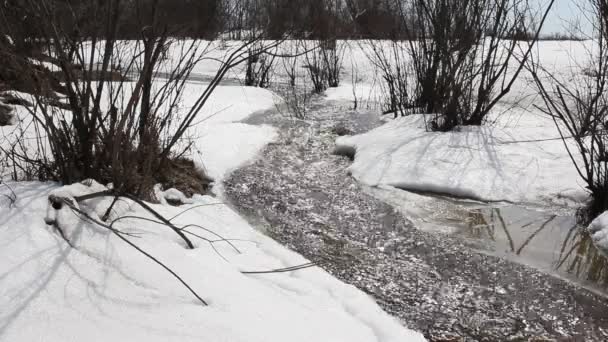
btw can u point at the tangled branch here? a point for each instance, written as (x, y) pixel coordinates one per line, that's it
(59, 202)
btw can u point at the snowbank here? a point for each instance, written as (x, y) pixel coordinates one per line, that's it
(599, 233)
(223, 148)
(228, 103)
(221, 142)
(520, 159)
(103, 290)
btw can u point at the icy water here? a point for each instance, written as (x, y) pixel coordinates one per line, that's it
(549, 239)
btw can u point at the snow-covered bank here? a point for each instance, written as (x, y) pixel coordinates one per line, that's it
(599, 233)
(104, 290)
(222, 148)
(519, 159)
(221, 142)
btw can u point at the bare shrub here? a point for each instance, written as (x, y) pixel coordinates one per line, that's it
(579, 106)
(461, 64)
(259, 67)
(6, 114)
(333, 56)
(463, 72)
(123, 130)
(315, 65)
(395, 67)
(324, 64)
(291, 65)
(296, 100)
(295, 95)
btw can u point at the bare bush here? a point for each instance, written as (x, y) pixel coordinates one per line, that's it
(333, 56)
(259, 67)
(462, 66)
(295, 95)
(123, 130)
(394, 65)
(291, 66)
(315, 65)
(464, 72)
(579, 106)
(324, 64)
(296, 100)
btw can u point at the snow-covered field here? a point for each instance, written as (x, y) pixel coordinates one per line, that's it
(220, 142)
(105, 290)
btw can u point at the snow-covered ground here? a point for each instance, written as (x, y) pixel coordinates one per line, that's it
(524, 162)
(102, 289)
(221, 142)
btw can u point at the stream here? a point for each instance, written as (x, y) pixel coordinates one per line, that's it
(454, 270)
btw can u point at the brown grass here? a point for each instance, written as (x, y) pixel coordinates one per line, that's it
(183, 175)
(6, 114)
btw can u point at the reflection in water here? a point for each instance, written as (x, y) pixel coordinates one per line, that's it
(585, 261)
(546, 240)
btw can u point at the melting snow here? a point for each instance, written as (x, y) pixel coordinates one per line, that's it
(105, 290)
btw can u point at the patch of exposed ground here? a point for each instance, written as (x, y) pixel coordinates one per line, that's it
(302, 195)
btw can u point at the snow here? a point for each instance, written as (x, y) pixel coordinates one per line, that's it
(104, 290)
(229, 103)
(519, 159)
(599, 233)
(222, 148)
(365, 93)
(221, 142)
